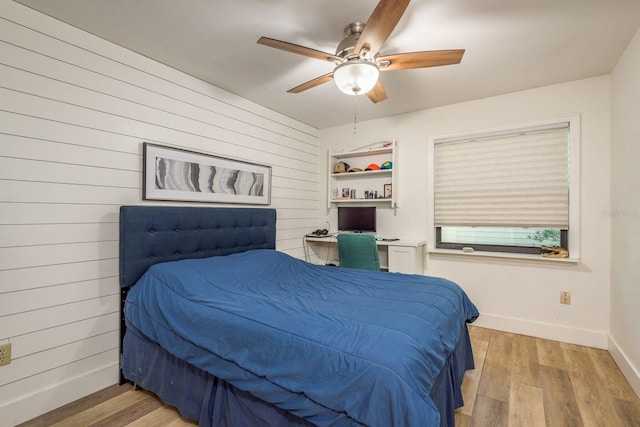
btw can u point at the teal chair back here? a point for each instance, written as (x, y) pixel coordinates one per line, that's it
(358, 250)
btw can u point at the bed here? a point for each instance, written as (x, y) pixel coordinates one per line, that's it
(235, 333)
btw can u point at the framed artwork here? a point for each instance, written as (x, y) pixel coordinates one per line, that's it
(387, 191)
(188, 176)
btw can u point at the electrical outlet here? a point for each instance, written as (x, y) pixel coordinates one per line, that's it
(565, 297)
(5, 354)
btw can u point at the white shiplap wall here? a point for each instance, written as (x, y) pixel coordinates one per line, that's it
(74, 111)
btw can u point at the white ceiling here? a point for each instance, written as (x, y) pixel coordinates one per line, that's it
(510, 45)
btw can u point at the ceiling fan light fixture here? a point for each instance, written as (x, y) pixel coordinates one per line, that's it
(356, 76)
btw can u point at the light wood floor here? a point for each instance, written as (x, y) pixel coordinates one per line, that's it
(518, 381)
(525, 381)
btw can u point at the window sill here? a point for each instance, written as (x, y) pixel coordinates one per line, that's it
(502, 255)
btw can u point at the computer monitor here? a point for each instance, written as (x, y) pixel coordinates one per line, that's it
(357, 218)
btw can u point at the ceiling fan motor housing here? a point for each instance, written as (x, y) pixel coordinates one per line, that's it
(351, 35)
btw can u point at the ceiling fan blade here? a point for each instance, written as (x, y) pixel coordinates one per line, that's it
(300, 50)
(377, 94)
(381, 23)
(312, 83)
(432, 58)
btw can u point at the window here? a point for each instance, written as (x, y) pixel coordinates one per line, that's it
(508, 190)
(500, 239)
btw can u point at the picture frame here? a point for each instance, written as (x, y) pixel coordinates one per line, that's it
(387, 191)
(176, 174)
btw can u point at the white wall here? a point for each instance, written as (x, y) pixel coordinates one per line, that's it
(625, 213)
(514, 296)
(74, 111)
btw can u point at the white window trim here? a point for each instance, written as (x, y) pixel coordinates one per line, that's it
(574, 186)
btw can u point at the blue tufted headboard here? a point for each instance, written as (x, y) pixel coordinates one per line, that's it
(153, 234)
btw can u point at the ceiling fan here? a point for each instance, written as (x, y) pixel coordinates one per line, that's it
(357, 58)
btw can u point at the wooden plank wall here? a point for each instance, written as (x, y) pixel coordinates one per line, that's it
(74, 111)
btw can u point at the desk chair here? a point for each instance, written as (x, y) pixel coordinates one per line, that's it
(358, 250)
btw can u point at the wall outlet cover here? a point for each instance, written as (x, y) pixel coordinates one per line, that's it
(5, 354)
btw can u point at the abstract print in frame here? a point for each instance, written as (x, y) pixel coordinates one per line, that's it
(187, 176)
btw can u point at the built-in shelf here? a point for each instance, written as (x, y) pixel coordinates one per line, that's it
(364, 181)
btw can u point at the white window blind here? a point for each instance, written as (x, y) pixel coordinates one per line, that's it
(511, 180)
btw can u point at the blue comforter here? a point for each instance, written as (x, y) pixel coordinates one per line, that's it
(334, 346)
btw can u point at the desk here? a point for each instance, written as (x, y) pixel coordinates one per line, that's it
(400, 256)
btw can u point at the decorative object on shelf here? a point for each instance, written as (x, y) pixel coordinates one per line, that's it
(340, 167)
(176, 174)
(372, 167)
(346, 193)
(382, 144)
(370, 194)
(386, 165)
(554, 252)
(387, 191)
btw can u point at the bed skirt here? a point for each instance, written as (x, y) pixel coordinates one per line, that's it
(200, 396)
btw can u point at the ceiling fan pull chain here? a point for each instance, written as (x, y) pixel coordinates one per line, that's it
(355, 114)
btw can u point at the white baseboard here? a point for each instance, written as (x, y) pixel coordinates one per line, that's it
(550, 331)
(630, 372)
(43, 401)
